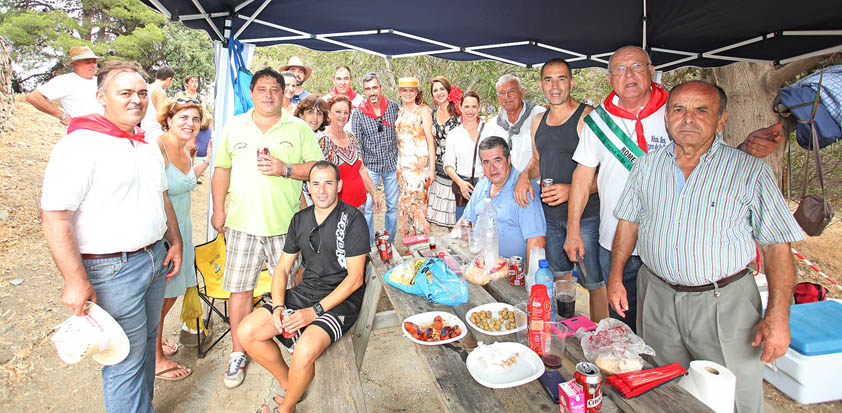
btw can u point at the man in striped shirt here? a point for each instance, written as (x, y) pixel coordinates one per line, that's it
(695, 208)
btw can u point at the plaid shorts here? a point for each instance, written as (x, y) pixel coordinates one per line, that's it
(245, 255)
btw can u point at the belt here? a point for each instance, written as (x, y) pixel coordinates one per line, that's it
(707, 287)
(116, 254)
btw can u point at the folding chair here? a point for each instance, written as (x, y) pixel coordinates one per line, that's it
(210, 263)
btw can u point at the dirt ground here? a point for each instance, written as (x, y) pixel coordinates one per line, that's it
(32, 377)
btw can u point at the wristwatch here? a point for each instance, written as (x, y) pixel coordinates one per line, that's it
(63, 116)
(288, 171)
(318, 309)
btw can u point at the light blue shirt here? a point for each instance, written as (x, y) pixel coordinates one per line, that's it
(515, 224)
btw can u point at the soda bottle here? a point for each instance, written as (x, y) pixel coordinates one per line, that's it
(539, 312)
(545, 277)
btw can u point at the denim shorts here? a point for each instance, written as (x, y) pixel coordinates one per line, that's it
(558, 260)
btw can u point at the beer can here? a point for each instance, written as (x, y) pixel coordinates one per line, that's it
(284, 314)
(384, 245)
(589, 377)
(546, 182)
(516, 275)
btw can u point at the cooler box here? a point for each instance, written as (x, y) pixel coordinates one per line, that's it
(811, 369)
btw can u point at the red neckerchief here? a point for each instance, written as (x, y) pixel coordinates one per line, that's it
(99, 123)
(658, 99)
(368, 110)
(351, 94)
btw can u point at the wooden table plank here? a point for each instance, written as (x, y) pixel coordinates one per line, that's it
(669, 397)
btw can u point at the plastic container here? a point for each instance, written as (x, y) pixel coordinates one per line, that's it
(545, 277)
(535, 254)
(539, 312)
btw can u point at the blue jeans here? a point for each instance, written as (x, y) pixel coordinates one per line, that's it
(390, 186)
(131, 289)
(558, 260)
(459, 212)
(629, 281)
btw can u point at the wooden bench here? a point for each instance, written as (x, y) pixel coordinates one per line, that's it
(337, 386)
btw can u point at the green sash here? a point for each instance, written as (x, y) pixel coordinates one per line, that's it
(613, 137)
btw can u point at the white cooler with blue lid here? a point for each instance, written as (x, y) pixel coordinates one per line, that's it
(811, 369)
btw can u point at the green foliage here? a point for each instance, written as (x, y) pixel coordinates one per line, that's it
(41, 32)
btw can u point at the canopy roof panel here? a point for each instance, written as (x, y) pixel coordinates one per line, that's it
(676, 33)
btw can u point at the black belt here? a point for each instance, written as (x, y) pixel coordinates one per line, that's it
(707, 287)
(116, 254)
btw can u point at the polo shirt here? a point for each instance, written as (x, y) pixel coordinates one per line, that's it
(612, 174)
(325, 247)
(515, 224)
(114, 186)
(702, 229)
(258, 204)
(76, 94)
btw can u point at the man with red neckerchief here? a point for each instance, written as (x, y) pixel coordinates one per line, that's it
(105, 216)
(342, 86)
(627, 125)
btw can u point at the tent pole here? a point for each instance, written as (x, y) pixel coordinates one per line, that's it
(644, 25)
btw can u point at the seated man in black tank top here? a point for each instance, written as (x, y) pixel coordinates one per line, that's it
(555, 136)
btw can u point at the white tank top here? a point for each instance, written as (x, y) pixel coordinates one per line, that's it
(150, 124)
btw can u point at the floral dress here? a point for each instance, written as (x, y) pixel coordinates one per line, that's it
(412, 172)
(441, 205)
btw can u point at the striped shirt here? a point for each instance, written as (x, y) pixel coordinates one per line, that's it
(378, 141)
(702, 230)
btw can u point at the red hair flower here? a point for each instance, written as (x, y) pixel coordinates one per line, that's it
(454, 97)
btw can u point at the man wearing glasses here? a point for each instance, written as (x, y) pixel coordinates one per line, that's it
(332, 239)
(514, 121)
(262, 157)
(519, 229)
(373, 122)
(627, 125)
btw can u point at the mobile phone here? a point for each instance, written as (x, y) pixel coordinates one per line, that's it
(550, 380)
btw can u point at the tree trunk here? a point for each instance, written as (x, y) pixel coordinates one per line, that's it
(750, 97)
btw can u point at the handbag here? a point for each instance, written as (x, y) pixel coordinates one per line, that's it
(813, 213)
(457, 191)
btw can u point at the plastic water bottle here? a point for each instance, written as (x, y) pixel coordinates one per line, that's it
(545, 277)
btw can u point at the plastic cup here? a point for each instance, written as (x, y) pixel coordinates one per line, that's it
(565, 298)
(553, 337)
(521, 322)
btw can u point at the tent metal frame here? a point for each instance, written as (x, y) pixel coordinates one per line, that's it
(441, 48)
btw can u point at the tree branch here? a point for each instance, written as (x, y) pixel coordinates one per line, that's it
(783, 74)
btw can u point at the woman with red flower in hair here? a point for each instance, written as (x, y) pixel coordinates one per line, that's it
(441, 205)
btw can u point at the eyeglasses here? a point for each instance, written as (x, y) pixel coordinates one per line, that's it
(182, 101)
(510, 93)
(635, 67)
(310, 239)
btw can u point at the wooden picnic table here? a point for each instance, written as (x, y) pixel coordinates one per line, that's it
(668, 397)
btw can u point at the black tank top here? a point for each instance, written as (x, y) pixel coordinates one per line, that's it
(556, 145)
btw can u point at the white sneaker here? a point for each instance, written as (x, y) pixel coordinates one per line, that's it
(236, 370)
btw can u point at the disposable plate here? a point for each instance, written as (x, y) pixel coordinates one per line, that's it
(527, 368)
(494, 308)
(423, 319)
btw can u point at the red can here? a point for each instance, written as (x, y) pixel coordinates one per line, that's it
(589, 377)
(262, 150)
(284, 314)
(516, 276)
(384, 245)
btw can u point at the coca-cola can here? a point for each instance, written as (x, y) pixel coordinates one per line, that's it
(284, 314)
(589, 377)
(384, 245)
(546, 182)
(516, 275)
(262, 150)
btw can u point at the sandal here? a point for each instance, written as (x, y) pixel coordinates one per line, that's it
(170, 347)
(160, 374)
(270, 405)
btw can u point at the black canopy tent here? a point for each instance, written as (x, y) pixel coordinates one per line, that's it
(676, 33)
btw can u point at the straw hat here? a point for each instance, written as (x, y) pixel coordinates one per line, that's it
(295, 61)
(96, 334)
(80, 53)
(408, 82)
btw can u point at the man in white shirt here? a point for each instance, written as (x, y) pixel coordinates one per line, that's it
(514, 120)
(75, 91)
(105, 216)
(342, 81)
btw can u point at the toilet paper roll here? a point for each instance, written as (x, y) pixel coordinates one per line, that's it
(711, 383)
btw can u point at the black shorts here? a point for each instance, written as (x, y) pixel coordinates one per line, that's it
(335, 322)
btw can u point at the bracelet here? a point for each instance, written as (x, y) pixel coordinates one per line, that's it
(277, 307)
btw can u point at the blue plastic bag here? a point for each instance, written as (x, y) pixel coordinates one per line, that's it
(430, 278)
(240, 78)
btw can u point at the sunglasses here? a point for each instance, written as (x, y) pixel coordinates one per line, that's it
(380, 124)
(182, 101)
(319, 242)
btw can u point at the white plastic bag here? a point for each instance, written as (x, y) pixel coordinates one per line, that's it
(613, 347)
